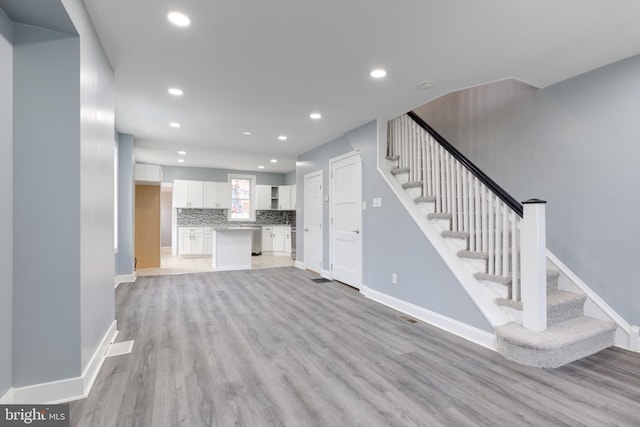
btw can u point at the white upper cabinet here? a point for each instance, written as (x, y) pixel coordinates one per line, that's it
(284, 197)
(217, 195)
(263, 197)
(187, 194)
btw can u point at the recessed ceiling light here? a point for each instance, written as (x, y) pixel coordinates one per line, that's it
(246, 132)
(378, 73)
(282, 138)
(261, 167)
(175, 91)
(315, 116)
(274, 160)
(175, 124)
(179, 19)
(180, 160)
(182, 153)
(426, 85)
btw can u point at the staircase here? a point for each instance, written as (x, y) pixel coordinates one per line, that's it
(483, 226)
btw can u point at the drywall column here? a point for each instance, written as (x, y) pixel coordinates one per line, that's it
(6, 195)
(126, 185)
(46, 207)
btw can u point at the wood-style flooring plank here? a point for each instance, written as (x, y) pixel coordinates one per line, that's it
(272, 348)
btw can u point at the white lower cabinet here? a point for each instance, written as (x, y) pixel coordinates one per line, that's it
(208, 240)
(276, 239)
(190, 240)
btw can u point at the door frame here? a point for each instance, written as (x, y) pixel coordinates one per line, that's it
(304, 207)
(333, 160)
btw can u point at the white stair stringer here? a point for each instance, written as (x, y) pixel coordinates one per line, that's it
(480, 295)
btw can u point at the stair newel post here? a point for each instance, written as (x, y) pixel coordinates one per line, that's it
(534, 266)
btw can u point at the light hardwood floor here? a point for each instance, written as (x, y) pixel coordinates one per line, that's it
(170, 264)
(272, 348)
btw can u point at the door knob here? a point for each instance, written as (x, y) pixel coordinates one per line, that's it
(356, 231)
(306, 229)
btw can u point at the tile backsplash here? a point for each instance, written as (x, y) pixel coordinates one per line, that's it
(205, 217)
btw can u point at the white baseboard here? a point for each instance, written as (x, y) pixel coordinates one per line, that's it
(326, 274)
(299, 264)
(7, 399)
(233, 267)
(69, 389)
(125, 278)
(470, 333)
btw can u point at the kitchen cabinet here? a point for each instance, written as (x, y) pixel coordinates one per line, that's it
(217, 195)
(263, 197)
(276, 239)
(267, 239)
(208, 240)
(188, 194)
(190, 240)
(284, 197)
(293, 197)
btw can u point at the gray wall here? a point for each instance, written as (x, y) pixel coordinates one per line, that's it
(211, 174)
(6, 195)
(46, 174)
(63, 301)
(392, 242)
(126, 188)
(290, 178)
(96, 189)
(574, 144)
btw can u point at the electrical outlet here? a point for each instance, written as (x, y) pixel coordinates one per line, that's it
(394, 278)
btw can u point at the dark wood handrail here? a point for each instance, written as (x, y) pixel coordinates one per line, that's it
(495, 188)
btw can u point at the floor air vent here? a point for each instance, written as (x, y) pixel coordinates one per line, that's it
(321, 280)
(408, 319)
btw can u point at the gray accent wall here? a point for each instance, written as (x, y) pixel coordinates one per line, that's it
(126, 199)
(574, 144)
(6, 195)
(46, 175)
(392, 242)
(169, 173)
(290, 178)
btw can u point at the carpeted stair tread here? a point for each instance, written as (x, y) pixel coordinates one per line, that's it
(413, 184)
(455, 234)
(552, 278)
(398, 171)
(555, 300)
(473, 255)
(439, 215)
(560, 344)
(568, 332)
(503, 280)
(425, 199)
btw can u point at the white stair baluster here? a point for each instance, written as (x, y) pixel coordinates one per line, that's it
(465, 199)
(473, 197)
(491, 232)
(515, 259)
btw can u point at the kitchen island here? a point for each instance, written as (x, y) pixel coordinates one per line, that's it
(231, 248)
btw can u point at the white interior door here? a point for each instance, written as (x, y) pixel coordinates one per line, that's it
(312, 240)
(346, 219)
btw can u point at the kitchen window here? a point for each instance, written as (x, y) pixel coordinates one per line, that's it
(242, 200)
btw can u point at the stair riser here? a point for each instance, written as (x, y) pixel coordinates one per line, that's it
(415, 191)
(475, 265)
(427, 208)
(402, 177)
(442, 224)
(496, 289)
(456, 244)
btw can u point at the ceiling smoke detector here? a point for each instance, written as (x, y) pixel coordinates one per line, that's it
(426, 85)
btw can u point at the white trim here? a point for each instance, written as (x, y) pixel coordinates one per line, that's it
(233, 267)
(125, 278)
(320, 174)
(481, 297)
(299, 264)
(7, 399)
(470, 333)
(624, 328)
(326, 274)
(71, 388)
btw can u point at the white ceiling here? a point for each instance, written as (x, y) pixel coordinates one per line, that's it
(264, 66)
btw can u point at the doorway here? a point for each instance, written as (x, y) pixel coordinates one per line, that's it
(312, 238)
(147, 226)
(346, 219)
